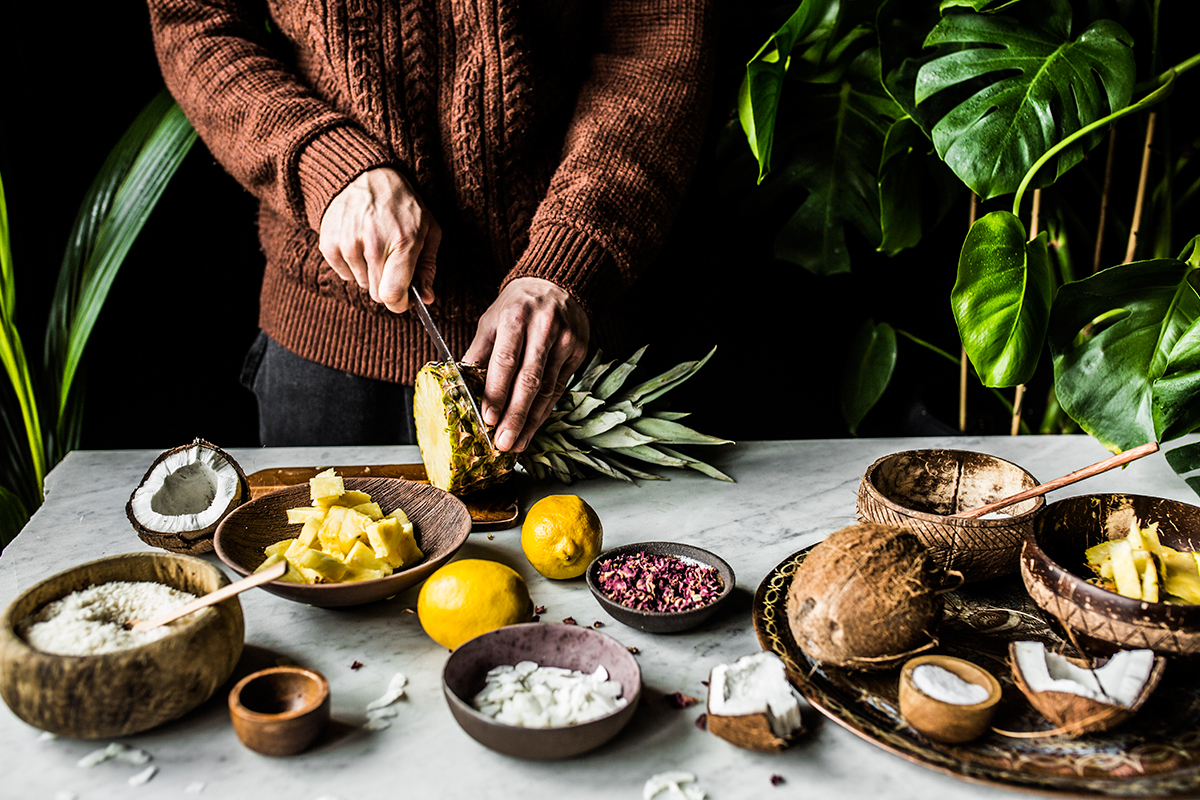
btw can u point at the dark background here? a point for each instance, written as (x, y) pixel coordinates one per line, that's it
(163, 362)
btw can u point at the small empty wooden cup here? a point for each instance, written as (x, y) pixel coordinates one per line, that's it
(949, 723)
(280, 711)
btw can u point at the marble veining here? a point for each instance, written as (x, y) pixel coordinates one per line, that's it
(788, 495)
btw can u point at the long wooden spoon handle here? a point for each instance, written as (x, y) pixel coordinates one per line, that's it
(1078, 475)
(273, 572)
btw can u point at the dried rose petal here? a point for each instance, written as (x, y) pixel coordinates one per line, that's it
(658, 583)
(540, 610)
(597, 624)
(777, 779)
(702, 722)
(536, 618)
(633, 650)
(356, 665)
(568, 621)
(681, 700)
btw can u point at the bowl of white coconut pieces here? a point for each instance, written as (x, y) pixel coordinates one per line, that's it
(542, 691)
(71, 665)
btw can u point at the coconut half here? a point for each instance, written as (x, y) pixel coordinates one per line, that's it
(751, 704)
(184, 495)
(1079, 700)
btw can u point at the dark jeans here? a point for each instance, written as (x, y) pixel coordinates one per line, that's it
(301, 403)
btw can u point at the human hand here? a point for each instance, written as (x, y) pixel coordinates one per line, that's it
(532, 338)
(377, 233)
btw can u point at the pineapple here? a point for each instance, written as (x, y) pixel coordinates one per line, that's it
(595, 427)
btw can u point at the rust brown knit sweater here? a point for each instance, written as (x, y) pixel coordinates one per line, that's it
(550, 138)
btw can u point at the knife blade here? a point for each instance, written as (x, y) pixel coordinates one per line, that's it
(444, 354)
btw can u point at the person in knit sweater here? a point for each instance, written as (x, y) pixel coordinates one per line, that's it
(517, 162)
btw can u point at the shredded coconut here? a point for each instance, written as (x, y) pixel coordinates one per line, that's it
(673, 785)
(942, 684)
(92, 620)
(143, 777)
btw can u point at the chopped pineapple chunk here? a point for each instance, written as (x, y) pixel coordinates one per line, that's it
(1141, 567)
(345, 537)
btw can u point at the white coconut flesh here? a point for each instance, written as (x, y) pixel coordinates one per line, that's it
(755, 684)
(1119, 682)
(188, 490)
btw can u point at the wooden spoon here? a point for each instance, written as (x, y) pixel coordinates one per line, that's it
(1078, 475)
(273, 572)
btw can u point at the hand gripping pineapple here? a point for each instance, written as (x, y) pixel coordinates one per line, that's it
(345, 537)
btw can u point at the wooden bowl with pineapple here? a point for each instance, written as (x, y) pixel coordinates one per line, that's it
(347, 541)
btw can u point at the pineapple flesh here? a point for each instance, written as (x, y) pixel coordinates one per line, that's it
(595, 427)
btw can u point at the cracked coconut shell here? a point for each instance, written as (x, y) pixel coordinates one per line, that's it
(867, 597)
(184, 495)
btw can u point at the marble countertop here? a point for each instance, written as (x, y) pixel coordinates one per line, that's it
(788, 495)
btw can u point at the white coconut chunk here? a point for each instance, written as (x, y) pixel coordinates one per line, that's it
(394, 692)
(143, 777)
(673, 785)
(187, 491)
(1119, 682)
(531, 696)
(756, 684)
(942, 684)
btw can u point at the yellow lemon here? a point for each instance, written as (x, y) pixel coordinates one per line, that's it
(466, 598)
(561, 536)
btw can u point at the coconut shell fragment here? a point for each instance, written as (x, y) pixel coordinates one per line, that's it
(867, 597)
(184, 495)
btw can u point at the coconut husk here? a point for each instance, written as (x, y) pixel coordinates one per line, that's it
(191, 542)
(749, 731)
(1073, 715)
(866, 598)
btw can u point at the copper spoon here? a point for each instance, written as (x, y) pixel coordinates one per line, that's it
(1078, 475)
(273, 572)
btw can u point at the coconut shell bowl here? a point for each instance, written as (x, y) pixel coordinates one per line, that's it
(552, 645)
(920, 489)
(441, 525)
(127, 691)
(1055, 574)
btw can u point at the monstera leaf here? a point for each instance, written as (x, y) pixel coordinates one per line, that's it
(1001, 299)
(1020, 85)
(1126, 348)
(868, 371)
(915, 187)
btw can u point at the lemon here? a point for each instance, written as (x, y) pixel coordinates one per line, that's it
(466, 598)
(561, 536)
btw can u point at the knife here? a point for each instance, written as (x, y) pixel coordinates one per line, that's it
(444, 354)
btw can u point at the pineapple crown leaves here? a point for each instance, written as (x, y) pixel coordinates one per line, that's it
(595, 427)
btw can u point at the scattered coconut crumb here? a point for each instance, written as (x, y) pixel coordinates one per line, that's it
(394, 692)
(115, 750)
(674, 785)
(196, 787)
(144, 776)
(681, 700)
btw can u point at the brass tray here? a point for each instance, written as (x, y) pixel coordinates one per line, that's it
(494, 508)
(1157, 753)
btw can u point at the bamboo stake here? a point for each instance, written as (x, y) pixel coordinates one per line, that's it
(1108, 170)
(1019, 395)
(1131, 247)
(963, 367)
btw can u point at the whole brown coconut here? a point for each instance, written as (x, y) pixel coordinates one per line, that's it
(865, 598)
(184, 495)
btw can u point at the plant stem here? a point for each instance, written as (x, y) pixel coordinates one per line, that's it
(1139, 203)
(1108, 170)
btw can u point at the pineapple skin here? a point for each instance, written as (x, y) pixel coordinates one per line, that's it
(456, 458)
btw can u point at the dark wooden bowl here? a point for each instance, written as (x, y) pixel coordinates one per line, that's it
(919, 489)
(1055, 573)
(127, 691)
(551, 645)
(662, 621)
(280, 711)
(440, 521)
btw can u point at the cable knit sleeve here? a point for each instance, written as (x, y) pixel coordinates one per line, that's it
(263, 124)
(629, 152)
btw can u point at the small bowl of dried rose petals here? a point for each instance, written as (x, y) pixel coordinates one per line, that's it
(660, 587)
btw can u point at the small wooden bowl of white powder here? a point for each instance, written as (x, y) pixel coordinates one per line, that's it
(69, 666)
(948, 699)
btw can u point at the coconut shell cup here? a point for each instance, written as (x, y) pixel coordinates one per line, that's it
(949, 723)
(1054, 571)
(1074, 715)
(124, 692)
(920, 489)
